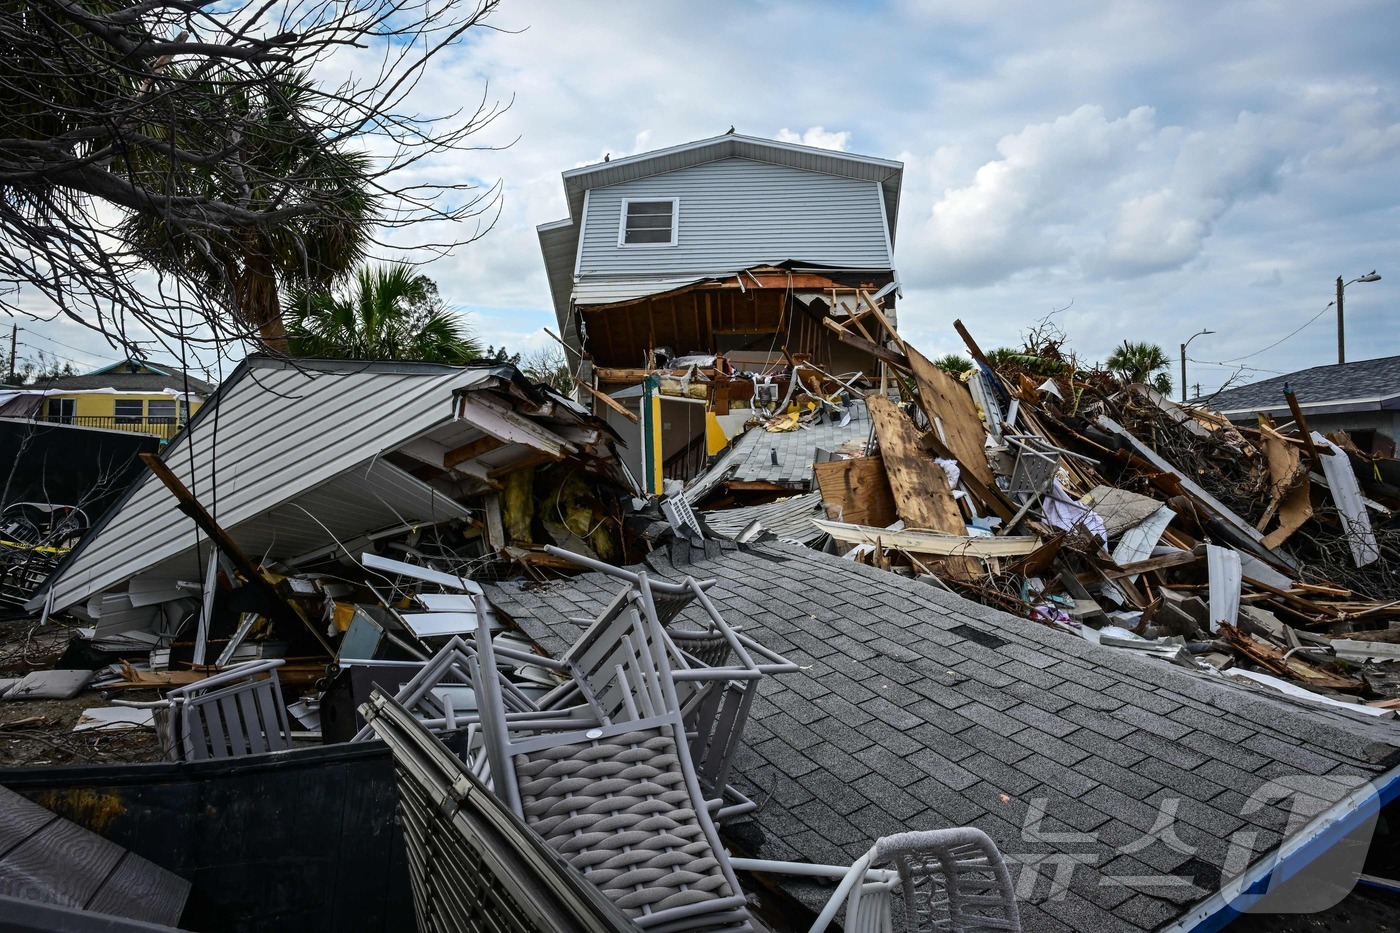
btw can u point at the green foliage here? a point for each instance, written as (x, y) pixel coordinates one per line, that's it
(1139, 361)
(953, 364)
(1007, 358)
(253, 264)
(388, 313)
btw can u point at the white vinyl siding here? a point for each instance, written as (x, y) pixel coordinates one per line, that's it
(648, 222)
(740, 213)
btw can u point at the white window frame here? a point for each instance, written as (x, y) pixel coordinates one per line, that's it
(675, 223)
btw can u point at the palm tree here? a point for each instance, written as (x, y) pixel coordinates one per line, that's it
(953, 364)
(1139, 361)
(388, 313)
(279, 155)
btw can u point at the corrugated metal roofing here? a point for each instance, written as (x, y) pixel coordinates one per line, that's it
(790, 519)
(280, 431)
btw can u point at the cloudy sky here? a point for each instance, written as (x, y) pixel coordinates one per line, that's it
(1154, 167)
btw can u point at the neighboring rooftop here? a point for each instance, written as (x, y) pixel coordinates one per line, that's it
(916, 709)
(130, 376)
(1367, 385)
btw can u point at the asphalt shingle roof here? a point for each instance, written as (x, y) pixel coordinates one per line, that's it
(1344, 382)
(916, 709)
(130, 382)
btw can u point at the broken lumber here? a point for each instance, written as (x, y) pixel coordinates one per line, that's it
(931, 542)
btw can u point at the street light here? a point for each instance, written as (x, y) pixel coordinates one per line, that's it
(1183, 359)
(1341, 333)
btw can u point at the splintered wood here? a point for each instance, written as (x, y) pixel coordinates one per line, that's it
(922, 496)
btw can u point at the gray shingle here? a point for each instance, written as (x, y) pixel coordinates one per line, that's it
(879, 737)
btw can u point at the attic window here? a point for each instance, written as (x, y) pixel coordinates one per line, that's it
(648, 223)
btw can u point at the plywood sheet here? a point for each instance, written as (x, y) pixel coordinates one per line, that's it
(856, 491)
(949, 407)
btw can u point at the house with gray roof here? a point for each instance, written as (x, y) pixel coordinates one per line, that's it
(1361, 398)
(1128, 794)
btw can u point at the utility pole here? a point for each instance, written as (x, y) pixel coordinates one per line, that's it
(14, 344)
(1341, 332)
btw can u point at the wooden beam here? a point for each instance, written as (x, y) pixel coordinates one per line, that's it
(500, 421)
(860, 343)
(471, 450)
(930, 542)
(611, 402)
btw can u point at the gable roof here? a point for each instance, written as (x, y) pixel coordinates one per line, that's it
(916, 709)
(559, 239)
(288, 457)
(117, 376)
(1366, 385)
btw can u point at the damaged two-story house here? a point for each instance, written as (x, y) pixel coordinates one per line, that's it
(721, 259)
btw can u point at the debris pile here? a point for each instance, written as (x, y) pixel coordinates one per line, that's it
(1061, 494)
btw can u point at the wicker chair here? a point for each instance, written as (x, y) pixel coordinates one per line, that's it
(620, 801)
(948, 880)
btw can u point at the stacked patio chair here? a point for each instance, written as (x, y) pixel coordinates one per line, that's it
(620, 800)
(715, 669)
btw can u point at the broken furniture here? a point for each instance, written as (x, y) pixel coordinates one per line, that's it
(712, 694)
(474, 863)
(236, 712)
(947, 880)
(620, 800)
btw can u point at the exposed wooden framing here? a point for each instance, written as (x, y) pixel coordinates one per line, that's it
(860, 343)
(611, 402)
(500, 421)
(884, 322)
(471, 450)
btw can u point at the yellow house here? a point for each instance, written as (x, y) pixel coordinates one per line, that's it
(128, 396)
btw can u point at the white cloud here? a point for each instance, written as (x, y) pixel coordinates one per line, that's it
(1147, 161)
(816, 136)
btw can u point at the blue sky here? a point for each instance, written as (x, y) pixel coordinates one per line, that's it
(1157, 167)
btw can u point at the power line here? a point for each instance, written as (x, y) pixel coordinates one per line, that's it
(1274, 344)
(79, 350)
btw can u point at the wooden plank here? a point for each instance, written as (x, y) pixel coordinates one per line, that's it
(471, 450)
(610, 402)
(860, 343)
(922, 495)
(856, 490)
(1152, 563)
(947, 403)
(929, 542)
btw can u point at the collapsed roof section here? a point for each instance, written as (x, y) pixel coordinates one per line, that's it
(916, 709)
(297, 459)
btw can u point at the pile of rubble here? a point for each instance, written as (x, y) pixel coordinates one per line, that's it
(1063, 495)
